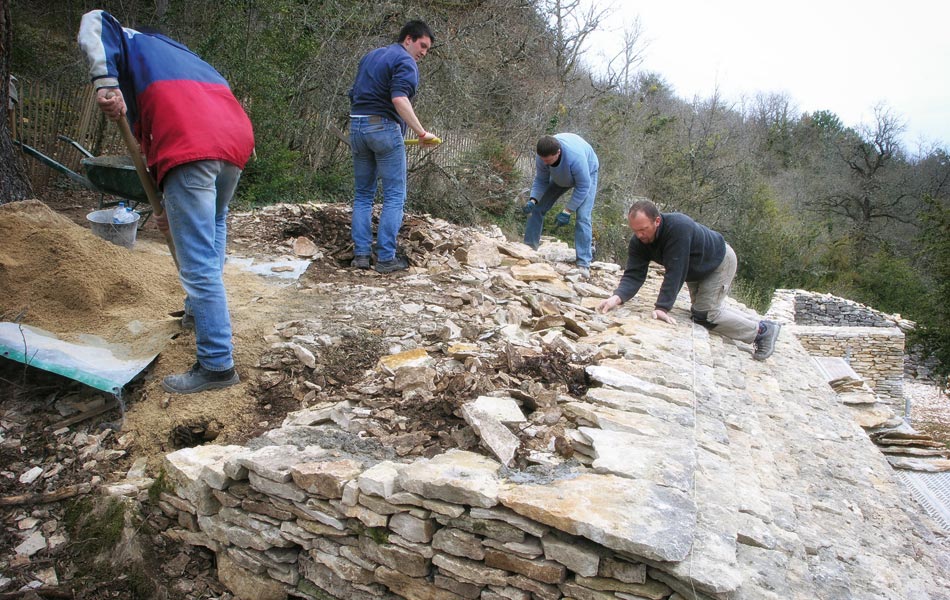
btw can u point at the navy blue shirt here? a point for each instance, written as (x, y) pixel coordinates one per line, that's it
(384, 73)
(688, 250)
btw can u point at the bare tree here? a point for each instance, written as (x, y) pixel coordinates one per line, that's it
(877, 191)
(622, 68)
(572, 22)
(13, 182)
(771, 119)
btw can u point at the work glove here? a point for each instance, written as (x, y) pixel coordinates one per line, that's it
(562, 219)
(529, 207)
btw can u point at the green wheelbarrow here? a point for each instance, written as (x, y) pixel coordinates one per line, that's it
(107, 175)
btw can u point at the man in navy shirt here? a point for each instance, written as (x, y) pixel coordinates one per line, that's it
(564, 161)
(697, 256)
(380, 112)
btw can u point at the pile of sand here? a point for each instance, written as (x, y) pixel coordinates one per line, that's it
(58, 276)
(68, 281)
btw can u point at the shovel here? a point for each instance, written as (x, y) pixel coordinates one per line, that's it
(148, 184)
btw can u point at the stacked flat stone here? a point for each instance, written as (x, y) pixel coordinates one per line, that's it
(875, 353)
(825, 309)
(706, 475)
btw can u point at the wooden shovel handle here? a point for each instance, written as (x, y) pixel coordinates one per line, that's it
(148, 184)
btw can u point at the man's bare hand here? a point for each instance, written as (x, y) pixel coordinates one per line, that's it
(161, 221)
(430, 139)
(609, 304)
(111, 103)
(662, 316)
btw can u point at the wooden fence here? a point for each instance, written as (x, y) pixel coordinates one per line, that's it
(48, 110)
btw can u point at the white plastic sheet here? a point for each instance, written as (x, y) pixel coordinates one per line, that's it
(94, 362)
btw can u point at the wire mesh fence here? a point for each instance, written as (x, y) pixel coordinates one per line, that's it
(48, 112)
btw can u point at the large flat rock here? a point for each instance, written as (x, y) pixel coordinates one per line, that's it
(634, 516)
(663, 461)
(457, 476)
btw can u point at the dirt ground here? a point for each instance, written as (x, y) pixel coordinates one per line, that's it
(91, 286)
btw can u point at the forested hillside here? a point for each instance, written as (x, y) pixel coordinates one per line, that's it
(805, 199)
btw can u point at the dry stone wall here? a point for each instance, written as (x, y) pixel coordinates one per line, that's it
(875, 353)
(702, 475)
(824, 309)
(871, 342)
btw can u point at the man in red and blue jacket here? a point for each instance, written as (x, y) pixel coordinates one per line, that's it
(196, 139)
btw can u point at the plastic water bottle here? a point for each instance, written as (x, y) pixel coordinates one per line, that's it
(129, 214)
(118, 215)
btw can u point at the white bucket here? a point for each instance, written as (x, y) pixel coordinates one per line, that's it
(120, 234)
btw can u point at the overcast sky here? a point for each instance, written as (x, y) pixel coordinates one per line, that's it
(835, 55)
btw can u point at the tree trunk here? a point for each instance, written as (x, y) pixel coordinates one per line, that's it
(14, 184)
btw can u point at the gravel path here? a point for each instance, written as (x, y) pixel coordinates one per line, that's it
(929, 410)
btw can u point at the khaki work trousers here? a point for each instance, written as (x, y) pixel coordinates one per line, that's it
(708, 298)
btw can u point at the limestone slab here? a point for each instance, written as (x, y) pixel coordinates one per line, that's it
(413, 587)
(416, 357)
(326, 478)
(274, 462)
(634, 516)
(504, 409)
(580, 556)
(621, 570)
(641, 403)
(545, 571)
(664, 461)
(380, 479)
(459, 543)
(479, 254)
(617, 379)
(458, 476)
(495, 530)
(500, 513)
(395, 557)
(538, 271)
(185, 468)
(612, 419)
(246, 584)
(412, 528)
(492, 433)
(470, 570)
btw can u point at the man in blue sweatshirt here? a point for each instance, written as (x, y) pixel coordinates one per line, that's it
(697, 256)
(380, 111)
(564, 161)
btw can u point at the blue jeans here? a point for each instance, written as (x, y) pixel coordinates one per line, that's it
(583, 230)
(378, 154)
(196, 202)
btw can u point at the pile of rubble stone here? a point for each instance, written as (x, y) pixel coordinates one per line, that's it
(407, 364)
(903, 447)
